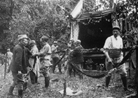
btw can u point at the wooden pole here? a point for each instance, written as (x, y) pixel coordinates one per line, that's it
(64, 84)
(136, 74)
(5, 67)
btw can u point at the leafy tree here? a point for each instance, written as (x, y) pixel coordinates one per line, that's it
(5, 17)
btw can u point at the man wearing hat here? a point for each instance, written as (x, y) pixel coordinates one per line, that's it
(20, 63)
(45, 59)
(45, 52)
(76, 59)
(114, 55)
(55, 57)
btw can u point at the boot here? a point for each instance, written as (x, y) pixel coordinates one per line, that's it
(36, 79)
(24, 86)
(107, 81)
(124, 81)
(20, 93)
(47, 81)
(11, 90)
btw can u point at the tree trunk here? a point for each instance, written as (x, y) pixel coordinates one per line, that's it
(136, 75)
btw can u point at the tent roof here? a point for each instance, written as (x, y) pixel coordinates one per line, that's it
(95, 15)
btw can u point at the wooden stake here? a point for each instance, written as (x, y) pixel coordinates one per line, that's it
(5, 67)
(64, 84)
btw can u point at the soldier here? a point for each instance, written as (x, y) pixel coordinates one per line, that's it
(20, 63)
(114, 56)
(45, 59)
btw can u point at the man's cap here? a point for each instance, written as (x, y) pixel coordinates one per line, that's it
(116, 25)
(8, 49)
(32, 42)
(44, 38)
(22, 36)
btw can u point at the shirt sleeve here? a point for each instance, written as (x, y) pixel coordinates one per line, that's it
(107, 43)
(121, 43)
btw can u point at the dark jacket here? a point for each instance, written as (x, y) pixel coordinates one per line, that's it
(20, 60)
(76, 56)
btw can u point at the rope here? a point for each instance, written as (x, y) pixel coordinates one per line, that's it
(60, 58)
(106, 73)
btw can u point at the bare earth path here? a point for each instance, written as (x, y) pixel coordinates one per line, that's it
(92, 88)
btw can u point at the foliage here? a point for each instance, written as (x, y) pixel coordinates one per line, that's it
(127, 11)
(38, 17)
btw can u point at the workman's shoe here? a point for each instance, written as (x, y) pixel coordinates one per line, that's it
(107, 81)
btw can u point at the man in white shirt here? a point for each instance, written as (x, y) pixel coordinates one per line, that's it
(114, 55)
(45, 52)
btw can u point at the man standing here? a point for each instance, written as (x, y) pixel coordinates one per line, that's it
(45, 59)
(75, 59)
(34, 62)
(55, 57)
(19, 62)
(9, 56)
(115, 56)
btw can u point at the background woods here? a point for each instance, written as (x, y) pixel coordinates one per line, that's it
(36, 18)
(45, 17)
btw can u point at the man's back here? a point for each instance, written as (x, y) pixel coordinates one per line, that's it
(17, 58)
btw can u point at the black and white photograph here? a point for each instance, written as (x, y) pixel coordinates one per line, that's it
(68, 48)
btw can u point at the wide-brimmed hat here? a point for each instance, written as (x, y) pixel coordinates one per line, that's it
(23, 36)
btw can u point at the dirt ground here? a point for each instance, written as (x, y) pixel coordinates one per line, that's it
(91, 88)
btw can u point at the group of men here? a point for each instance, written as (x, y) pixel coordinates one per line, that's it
(21, 55)
(25, 59)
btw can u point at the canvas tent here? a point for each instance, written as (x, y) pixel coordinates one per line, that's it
(91, 26)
